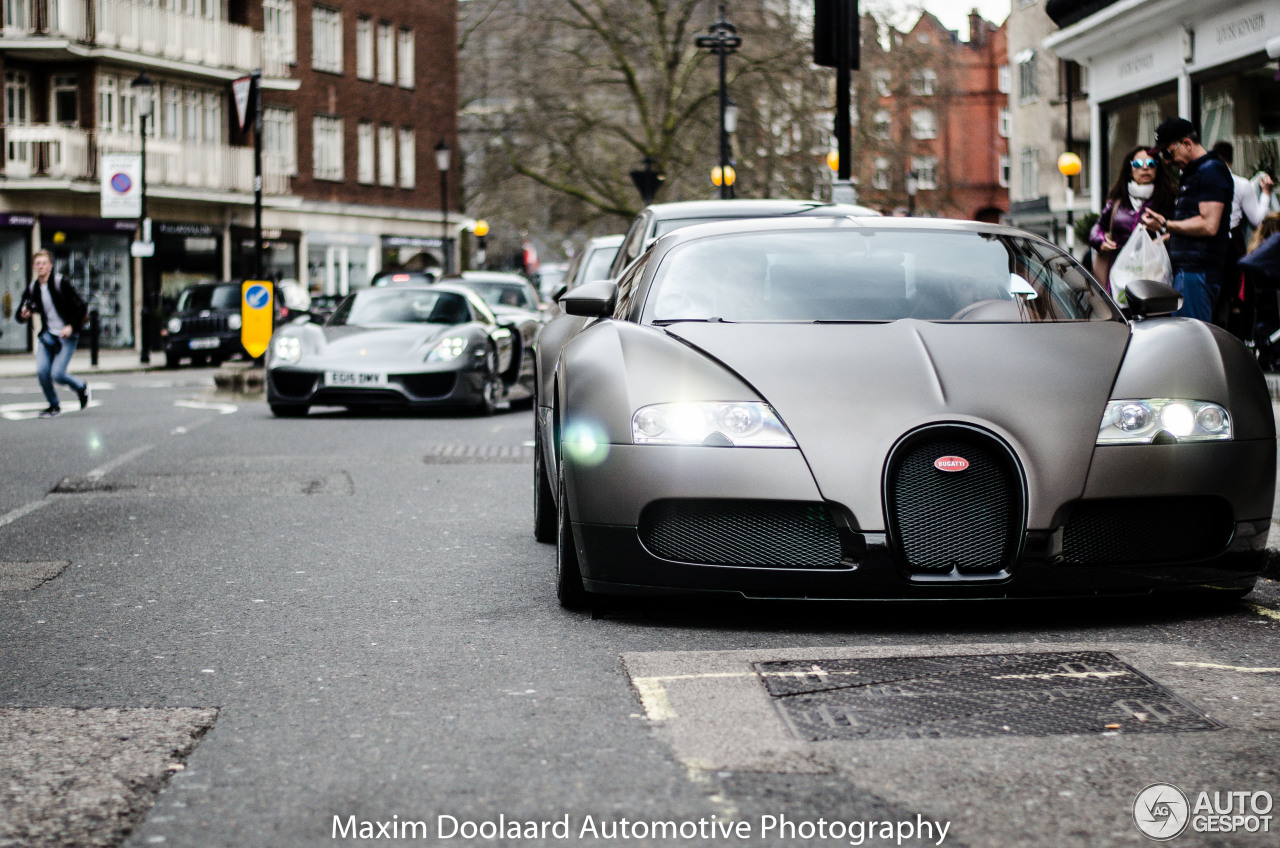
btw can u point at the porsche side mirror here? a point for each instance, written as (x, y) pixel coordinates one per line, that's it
(591, 300)
(1150, 299)
(558, 293)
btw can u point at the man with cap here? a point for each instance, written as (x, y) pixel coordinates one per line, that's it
(1198, 229)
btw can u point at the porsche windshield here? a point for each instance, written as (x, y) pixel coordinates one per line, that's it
(402, 306)
(872, 275)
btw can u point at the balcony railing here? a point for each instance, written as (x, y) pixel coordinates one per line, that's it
(146, 29)
(41, 150)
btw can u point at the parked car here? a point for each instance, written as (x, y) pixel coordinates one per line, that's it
(391, 277)
(549, 277)
(205, 325)
(893, 408)
(514, 300)
(398, 347)
(292, 301)
(592, 261)
(661, 218)
(322, 306)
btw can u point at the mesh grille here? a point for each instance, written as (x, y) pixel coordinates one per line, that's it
(941, 521)
(358, 397)
(198, 324)
(428, 385)
(767, 534)
(1137, 530)
(293, 383)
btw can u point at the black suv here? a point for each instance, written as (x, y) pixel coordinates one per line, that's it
(206, 325)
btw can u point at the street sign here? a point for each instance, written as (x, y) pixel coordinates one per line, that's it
(240, 94)
(256, 314)
(121, 185)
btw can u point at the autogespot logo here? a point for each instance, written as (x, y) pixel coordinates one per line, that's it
(1161, 811)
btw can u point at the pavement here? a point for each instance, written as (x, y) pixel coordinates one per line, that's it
(109, 362)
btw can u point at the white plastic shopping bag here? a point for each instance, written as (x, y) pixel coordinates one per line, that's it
(1143, 257)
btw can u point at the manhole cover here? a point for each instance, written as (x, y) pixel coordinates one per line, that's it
(471, 454)
(25, 576)
(982, 695)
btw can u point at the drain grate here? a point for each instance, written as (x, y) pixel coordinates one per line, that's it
(25, 576)
(478, 454)
(1041, 694)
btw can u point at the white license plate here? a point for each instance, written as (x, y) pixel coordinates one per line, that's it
(204, 344)
(353, 378)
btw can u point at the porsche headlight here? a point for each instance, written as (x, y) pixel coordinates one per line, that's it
(750, 424)
(447, 349)
(233, 321)
(288, 349)
(1138, 422)
(175, 325)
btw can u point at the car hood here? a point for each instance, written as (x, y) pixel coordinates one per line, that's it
(380, 343)
(848, 392)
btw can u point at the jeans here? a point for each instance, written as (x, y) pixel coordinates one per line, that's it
(52, 368)
(1199, 290)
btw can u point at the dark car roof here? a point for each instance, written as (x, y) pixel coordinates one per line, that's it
(741, 225)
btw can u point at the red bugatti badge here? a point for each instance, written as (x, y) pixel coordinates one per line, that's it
(951, 463)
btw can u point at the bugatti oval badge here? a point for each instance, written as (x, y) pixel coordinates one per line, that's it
(951, 463)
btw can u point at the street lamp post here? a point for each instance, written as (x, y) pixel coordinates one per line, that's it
(913, 186)
(442, 163)
(143, 92)
(722, 41)
(647, 179)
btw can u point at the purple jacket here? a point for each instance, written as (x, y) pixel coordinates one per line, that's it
(1126, 219)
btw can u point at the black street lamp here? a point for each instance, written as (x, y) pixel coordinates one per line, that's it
(648, 180)
(144, 95)
(442, 163)
(722, 41)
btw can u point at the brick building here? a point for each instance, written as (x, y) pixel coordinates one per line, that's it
(356, 95)
(931, 132)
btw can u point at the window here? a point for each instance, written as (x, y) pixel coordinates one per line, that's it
(882, 124)
(924, 82)
(364, 152)
(408, 157)
(326, 40)
(1003, 79)
(1028, 83)
(364, 49)
(171, 112)
(213, 122)
(327, 148)
(881, 81)
(108, 103)
(386, 54)
(881, 178)
(277, 25)
(1029, 165)
(1005, 168)
(191, 116)
(923, 124)
(280, 138)
(15, 15)
(1073, 76)
(926, 170)
(64, 98)
(1006, 122)
(386, 155)
(406, 58)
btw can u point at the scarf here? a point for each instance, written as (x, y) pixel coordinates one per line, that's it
(1140, 194)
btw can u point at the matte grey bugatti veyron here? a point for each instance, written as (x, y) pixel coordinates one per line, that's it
(892, 408)
(395, 347)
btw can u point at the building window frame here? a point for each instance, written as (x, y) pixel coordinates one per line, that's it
(327, 148)
(924, 124)
(924, 82)
(1005, 122)
(408, 145)
(386, 53)
(364, 48)
(1028, 76)
(880, 179)
(326, 39)
(405, 56)
(386, 155)
(926, 172)
(278, 23)
(365, 156)
(280, 137)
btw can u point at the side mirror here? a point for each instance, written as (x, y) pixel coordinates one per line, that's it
(558, 293)
(592, 300)
(1149, 299)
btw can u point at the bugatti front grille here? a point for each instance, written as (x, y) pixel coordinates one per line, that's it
(764, 534)
(954, 503)
(1129, 531)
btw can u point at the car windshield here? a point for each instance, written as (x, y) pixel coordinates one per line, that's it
(873, 275)
(392, 306)
(209, 297)
(503, 294)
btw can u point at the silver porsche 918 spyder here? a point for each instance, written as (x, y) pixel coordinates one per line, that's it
(396, 347)
(893, 408)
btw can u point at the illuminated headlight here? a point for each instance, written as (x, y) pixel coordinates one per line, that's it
(727, 424)
(233, 321)
(288, 348)
(175, 325)
(447, 349)
(1137, 422)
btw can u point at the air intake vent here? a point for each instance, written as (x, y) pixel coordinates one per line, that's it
(764, 534)
(1131, 531)
(954, 503)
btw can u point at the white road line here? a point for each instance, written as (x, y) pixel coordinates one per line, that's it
(653, 697)
(653, 692)
(14, 514)
(1244, 668)
(224, 408)
(103, 470)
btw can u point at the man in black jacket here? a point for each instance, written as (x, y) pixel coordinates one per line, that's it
(62, 312)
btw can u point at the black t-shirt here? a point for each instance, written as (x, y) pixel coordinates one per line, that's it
(1207, 179)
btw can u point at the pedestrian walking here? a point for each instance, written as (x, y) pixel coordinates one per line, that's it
(62, 313)
(1236, 308)
(1198, 228)
(1142, 182)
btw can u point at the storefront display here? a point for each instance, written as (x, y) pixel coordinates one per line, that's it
(15, 273)
(279, 254)
(94, 255)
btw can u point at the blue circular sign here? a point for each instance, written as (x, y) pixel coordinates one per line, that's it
(257, 296)
(121, 183)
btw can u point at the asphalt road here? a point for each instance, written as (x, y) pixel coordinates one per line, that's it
(222, 629)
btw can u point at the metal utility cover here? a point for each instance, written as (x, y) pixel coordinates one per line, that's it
(1035, 694)
(478, 454)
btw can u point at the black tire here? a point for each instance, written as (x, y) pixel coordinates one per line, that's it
(492, 392)
(569, 588)
(289, 410)
(544, 505)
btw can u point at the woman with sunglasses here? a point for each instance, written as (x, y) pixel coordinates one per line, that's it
(1142, 183)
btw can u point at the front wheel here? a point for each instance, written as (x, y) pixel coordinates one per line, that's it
(569, 589)
(493, 389)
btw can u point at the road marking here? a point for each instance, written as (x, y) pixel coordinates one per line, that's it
(25, 411)
(1267, 612)
(657, 707)
(1244, 668)
(103, 470)
(13, 515)
(224, 408)
(653, 697)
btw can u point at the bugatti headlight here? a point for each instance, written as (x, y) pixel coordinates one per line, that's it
(233, 321)
(447, 349)
(749, 424)
(175, 325)
(1138, 422)
(287, 349)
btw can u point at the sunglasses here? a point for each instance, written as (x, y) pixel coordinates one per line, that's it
(1167, 153)
(1143, 163)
